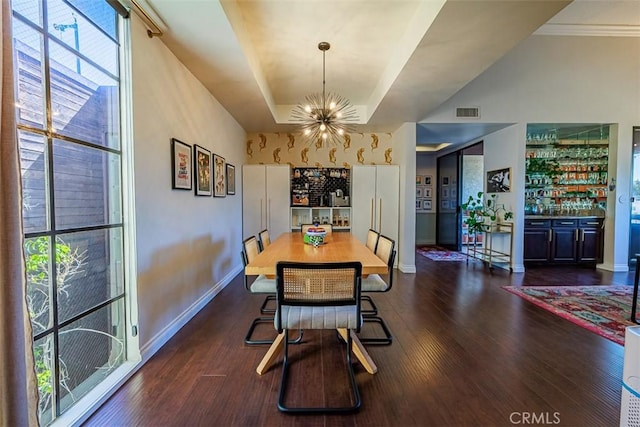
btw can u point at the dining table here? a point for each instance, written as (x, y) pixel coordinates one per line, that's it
(337, 247)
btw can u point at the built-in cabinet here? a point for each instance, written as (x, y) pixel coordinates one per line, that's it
(375, 200)
(265, 199)
(563, 240)
(339, 217)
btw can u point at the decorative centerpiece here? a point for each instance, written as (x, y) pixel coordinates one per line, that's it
(315, 236)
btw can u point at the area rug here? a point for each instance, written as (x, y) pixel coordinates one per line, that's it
(604, 310)
(437, 253)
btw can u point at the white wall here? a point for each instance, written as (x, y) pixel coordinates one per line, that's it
(404, 144)
(554, 79)
(187, 247)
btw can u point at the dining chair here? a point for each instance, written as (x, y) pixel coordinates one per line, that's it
(372, 239)
(263, 239)
(385, 250)
(261, 285)
(318, 296)
(327, 227)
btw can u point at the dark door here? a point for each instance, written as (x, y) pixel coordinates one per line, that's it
(536, 244)
(563, 244)
(448, 211)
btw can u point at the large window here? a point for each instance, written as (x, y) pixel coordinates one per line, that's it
(68, 118)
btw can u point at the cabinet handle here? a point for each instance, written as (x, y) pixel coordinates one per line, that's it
(371, 220)
(582, 235)
(566, 223)
(577, 232)
(380, 217)
(592, 223)
(261, 215)
(536, 223)
(550, 236)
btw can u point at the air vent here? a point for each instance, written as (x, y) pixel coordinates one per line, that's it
(468, 112)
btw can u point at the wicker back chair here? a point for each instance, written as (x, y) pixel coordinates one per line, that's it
(318, 296)
(372, 239)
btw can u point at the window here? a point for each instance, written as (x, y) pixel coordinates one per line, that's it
(67, 84)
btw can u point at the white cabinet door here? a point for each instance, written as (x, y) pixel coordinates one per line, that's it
(387, 201)
(254, 197)
(363, 199)
(277, 202)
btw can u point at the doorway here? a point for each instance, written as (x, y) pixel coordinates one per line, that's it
(634, 233)
(448, 217)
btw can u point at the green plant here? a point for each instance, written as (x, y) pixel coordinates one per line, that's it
(480, 209)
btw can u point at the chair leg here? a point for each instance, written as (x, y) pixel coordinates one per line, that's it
(264, 309)
(373, 311)
(317, 410)
(386, 340)
(249, 341)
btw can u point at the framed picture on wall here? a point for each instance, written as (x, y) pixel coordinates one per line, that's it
(419, 192)
(453, 193)
(203, 171)
(444, 204)
(445, 193)
(499, 181)
(180, 165)
(445, 180)
(219, 175)
(231, 179)
(427, 180)
(426, 205)
(418, 204)
(427, 192)
(418, 179)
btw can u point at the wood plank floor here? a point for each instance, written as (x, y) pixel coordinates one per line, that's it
(465, 353)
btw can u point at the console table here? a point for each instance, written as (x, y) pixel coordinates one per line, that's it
(487, 253)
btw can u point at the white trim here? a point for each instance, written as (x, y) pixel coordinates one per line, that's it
(588, 30)
(407, 268)
(517, 268)
(613, 267)
(161, 338)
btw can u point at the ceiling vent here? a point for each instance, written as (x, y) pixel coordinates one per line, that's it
(468, 112)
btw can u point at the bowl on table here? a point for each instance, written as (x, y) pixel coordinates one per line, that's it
(315, 236)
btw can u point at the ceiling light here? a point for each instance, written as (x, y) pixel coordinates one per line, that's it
(325, 116)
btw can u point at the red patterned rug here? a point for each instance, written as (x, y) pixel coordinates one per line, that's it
(604, 310)
(436, 253)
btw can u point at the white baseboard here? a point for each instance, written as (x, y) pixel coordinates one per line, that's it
(613, 267)
(161, 338)
(518, 268)
(407, 268)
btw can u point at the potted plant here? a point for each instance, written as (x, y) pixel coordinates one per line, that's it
(484, 213)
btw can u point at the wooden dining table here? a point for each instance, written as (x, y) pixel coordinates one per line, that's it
(337, 246)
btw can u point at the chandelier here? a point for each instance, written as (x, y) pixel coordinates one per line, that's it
(325, 116)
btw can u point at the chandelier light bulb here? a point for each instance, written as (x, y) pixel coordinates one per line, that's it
(338, 115)
(307, 108)
(341, 131)
(323, 127)
(332, 105)
(324, 135)
(307, 131)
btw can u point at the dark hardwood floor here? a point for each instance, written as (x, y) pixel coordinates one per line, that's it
(465, 353)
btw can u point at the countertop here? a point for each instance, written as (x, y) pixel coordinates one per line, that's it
(563, 217)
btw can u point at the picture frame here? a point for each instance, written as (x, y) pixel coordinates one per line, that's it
(418, 179)
(418, 204)
(427, 180)
(445, 180)
(180, 165)
(453, 193)
(444, 204)
(419, 192)
(445, 193)
(428, 192)
(426, 205)
(202, 167)
(499, 181)
(231, 179)
(219, 175)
